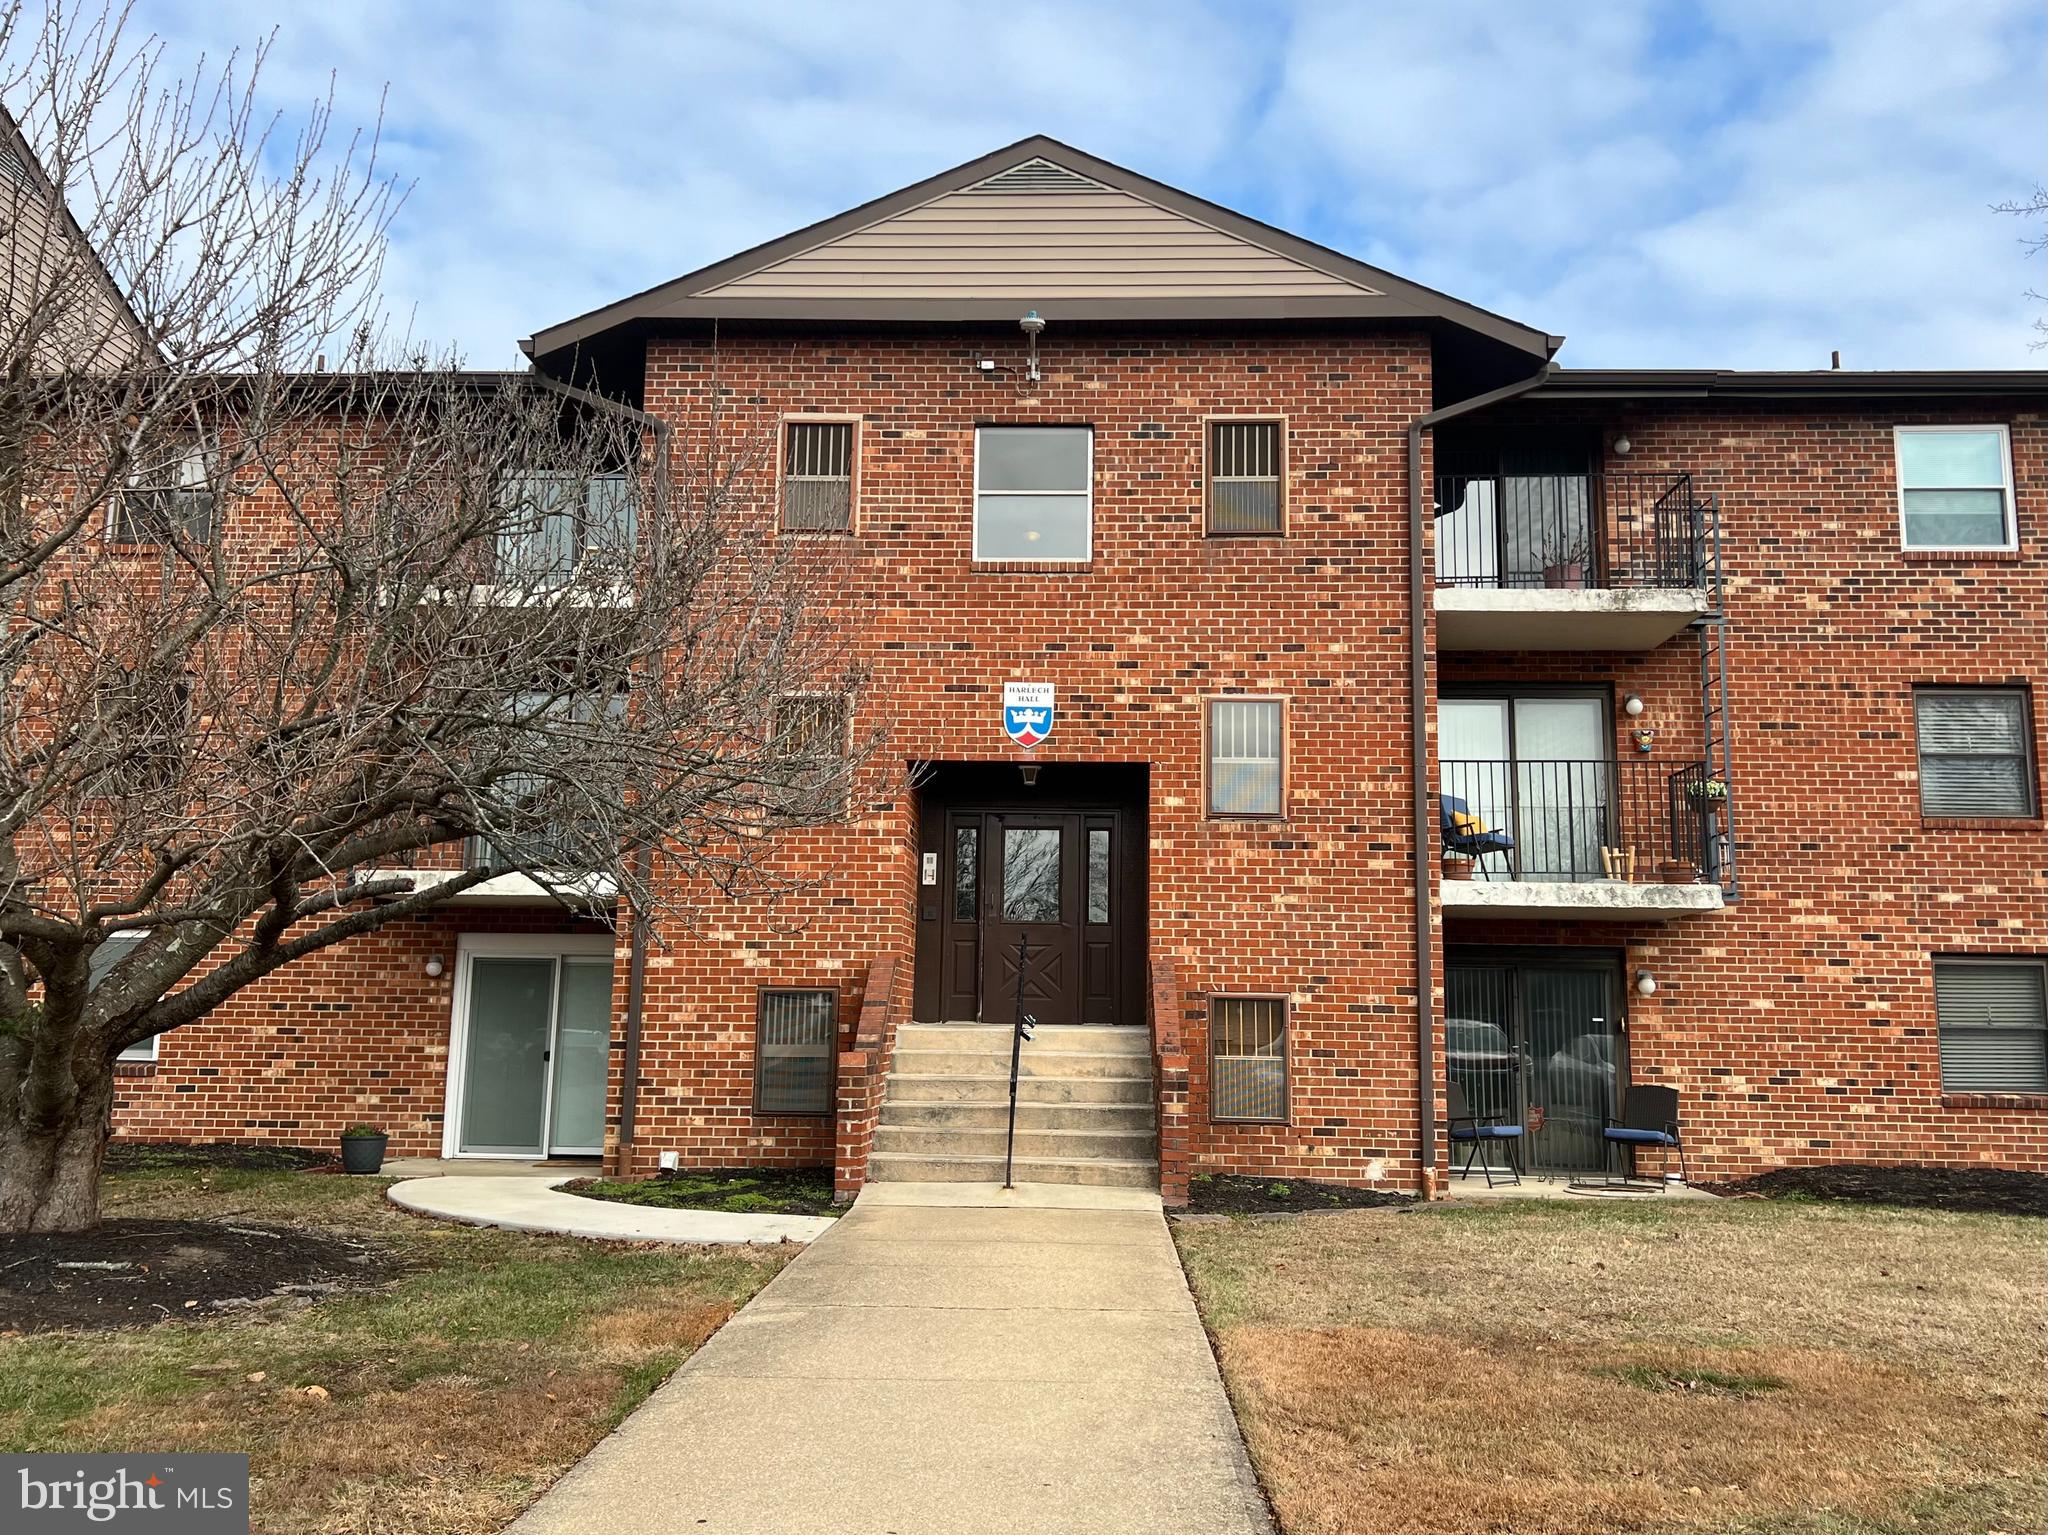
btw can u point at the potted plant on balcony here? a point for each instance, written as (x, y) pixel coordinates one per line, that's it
(1710, 793)
(362, 1149)
(1457, 866)
(1678, 871)
(1564, 562)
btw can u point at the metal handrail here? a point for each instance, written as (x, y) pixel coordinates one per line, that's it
(1594, 532)
(1566, 819)
(1019, 1032)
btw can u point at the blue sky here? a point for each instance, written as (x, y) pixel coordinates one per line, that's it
(1750, 183)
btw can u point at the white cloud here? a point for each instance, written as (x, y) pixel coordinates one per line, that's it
(1751, 187)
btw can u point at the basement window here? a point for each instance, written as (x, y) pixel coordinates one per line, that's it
(1993, 1019)
(1955, 487)
(793, 1064)
(817, 477)
(1244, 478)
(1032, 493)
(1974, 752)
(1248, 1059)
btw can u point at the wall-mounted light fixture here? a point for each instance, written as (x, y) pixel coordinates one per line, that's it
(1632, 706)
(1622, 446)
(1646, 983)
(1029, 772)
(1033, 325)
(434, 967)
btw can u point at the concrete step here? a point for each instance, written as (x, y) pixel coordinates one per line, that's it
(1056, 1145)
(912, 1060)
(986, 1087)
(907, 1167)
(1049, 1040)
(1116, 1118)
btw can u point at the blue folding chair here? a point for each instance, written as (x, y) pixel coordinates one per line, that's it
(1465, 834)
(1649, 1117)
(1482, 1132)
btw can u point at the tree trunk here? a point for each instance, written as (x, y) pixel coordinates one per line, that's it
(50, 1173)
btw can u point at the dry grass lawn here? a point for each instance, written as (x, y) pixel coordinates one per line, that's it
(451, 1398)
(1565, 1369)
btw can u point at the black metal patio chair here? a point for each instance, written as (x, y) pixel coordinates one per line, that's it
(1481, 1133)
(1649, 1117)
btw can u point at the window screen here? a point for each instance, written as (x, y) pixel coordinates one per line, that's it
(1244, 477)
(817, 477)
(1244, 757)
(1994, 1026)
(1974, 757)
(1954, 488)
(1248, 1058)
(1032, 497)
(793, 1059)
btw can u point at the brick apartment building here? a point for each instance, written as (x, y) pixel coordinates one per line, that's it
(1340, 702)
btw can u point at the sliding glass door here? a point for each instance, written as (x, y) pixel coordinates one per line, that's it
(1538, 766)
(534, 1032)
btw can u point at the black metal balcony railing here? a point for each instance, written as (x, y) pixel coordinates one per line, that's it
(1584, 820)
(1571, 531)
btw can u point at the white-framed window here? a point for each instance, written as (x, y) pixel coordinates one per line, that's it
(1246, 495)
(1993, 1020)
(1955, 487)
(560, 526)
(1976, 751)
(109, 954)
(1033, 493)
(1246, 757)
(168, 493)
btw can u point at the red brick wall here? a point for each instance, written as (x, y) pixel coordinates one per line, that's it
(1799, 1026)
(356, 1033)
(1314, 906)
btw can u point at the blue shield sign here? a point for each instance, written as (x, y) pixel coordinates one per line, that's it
(1027, 712)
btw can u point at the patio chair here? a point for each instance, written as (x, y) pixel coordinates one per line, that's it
(1482, 1132)
(1649, 1117)
(1465, 833)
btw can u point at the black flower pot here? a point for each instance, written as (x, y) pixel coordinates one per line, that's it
(363, 1153)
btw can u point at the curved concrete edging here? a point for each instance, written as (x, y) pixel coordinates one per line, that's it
(538, 1204)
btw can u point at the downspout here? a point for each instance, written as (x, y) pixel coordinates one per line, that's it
(1418, 760)
(640, 929)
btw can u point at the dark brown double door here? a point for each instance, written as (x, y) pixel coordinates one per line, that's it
(1043, 901)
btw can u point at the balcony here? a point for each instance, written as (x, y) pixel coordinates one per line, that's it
(1587, 838)
(1619, 561)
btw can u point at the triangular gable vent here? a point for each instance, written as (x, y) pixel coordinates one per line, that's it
(1036, 176)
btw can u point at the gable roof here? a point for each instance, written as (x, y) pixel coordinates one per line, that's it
(1038, 225)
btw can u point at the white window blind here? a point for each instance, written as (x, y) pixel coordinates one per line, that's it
(1974, 759)
(1994, 1026)
(1244, 757)
(1248, 1058)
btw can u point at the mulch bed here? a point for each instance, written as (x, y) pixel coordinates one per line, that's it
(738, 1190)
(1224, 1194)
(1968, 1190)
(135, 1272)
(240, 1156)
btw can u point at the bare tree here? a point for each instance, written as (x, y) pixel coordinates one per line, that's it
(2033, 208)
(291, 654)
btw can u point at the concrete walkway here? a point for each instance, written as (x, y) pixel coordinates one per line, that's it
(536, 1203)
(939, 1370)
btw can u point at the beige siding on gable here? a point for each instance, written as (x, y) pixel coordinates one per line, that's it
(1070, 242)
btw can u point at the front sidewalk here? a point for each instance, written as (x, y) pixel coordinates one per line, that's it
(927, 1370)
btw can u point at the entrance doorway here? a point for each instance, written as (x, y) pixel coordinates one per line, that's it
(530, 1047)
(1538, 1039)
(1036, 888)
